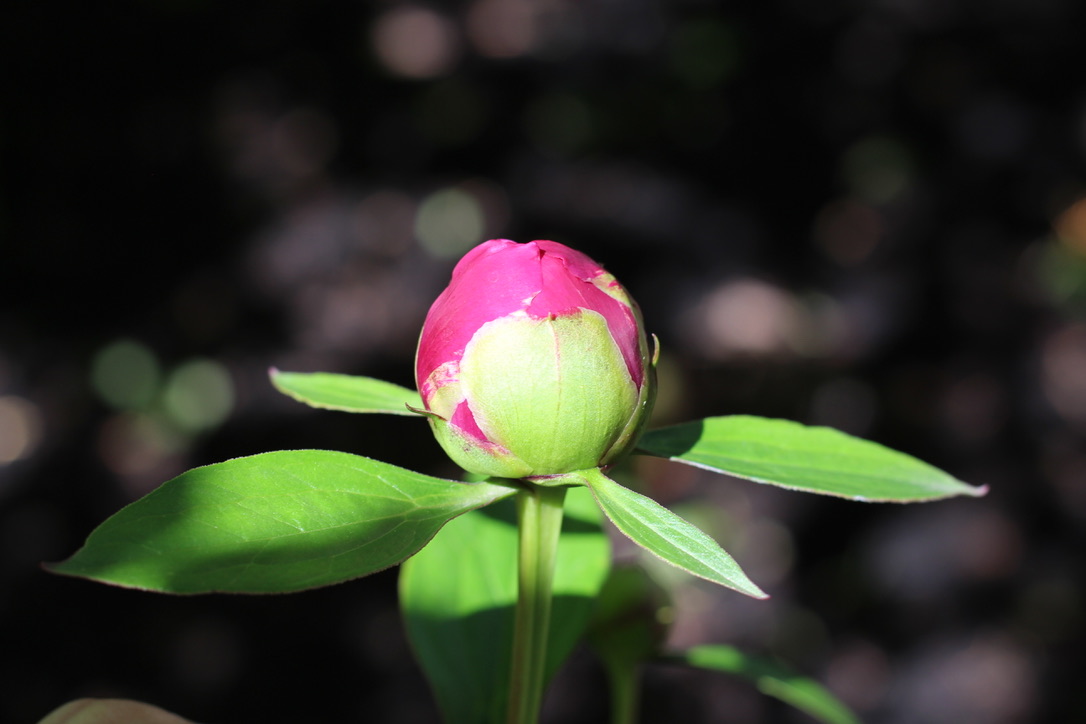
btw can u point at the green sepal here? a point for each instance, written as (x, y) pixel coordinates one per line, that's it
(646, 399)
(555, 392)
(476, 456)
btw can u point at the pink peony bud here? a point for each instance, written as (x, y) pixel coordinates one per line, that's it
(534, 362)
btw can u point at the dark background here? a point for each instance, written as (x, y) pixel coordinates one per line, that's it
(844, 213)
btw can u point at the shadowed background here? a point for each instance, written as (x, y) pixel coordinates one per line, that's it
(865, 215)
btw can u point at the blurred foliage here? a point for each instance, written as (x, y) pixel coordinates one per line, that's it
(855, 215)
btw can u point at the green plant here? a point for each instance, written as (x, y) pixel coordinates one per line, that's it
(537, 376)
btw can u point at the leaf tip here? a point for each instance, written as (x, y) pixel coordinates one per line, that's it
(66, 568)
(421, 411)
(753, 590)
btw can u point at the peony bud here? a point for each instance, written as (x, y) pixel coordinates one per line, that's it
(534, 362)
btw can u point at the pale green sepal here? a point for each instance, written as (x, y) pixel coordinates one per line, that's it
(565, 480)
(474, 455)
(627, 441)
(666, 535)
(445, 397)
(556, 392)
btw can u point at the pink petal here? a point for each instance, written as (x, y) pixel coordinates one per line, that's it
(465, 420)
(580, 265)
(500, 277)
(492, 280)
(566, 289)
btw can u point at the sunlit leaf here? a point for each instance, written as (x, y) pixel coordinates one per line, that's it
(666, 535)
(771, 679)
(346, 392)
(276, 522)
(813, 459)
(458, 594)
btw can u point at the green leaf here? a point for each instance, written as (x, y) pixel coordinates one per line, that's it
(273, 523)
(771, 679)
(346, 392)
(666, 535)
(458, 596)
(814, 459)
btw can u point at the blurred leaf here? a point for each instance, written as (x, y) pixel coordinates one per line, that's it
(346, 392)
(771, 679)
(814, 459)
(627, 630)
(626, 622)
(1061, 272)
(273, 523)
(458, 596)
(661, 532)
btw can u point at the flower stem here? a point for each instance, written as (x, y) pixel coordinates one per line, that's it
(622, 675)
(539, 515)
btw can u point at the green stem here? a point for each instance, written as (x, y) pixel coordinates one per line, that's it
(539, 515)
(622, 675)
